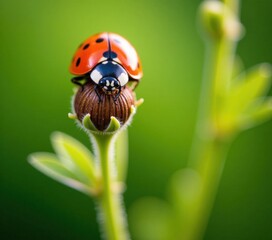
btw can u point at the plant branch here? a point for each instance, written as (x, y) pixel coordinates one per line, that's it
(211, 143)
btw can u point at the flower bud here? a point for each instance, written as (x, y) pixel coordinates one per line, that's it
(86, 101)
(219, 21)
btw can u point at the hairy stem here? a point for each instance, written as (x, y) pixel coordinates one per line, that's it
(112, 214)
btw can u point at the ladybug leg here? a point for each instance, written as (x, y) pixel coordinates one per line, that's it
(118, 94)
(134, 83)
(76, 80)
(97, 93)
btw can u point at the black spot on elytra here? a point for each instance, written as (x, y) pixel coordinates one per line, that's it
(86, 46)
(99, 40)
(78, 61)
(109, 54)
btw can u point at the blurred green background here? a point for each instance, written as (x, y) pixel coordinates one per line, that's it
(38, 39)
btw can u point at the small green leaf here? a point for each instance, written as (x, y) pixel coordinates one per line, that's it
(249, 87)
(259, 112)
(48, 164)
(133, 108)
(75, 156)
(264, 112)
(72, 116)
(113, 126)
(88, 124)
(121, 155)
(139, 102)
(152, 218)
(255, 84)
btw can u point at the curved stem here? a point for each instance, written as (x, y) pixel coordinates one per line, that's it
(110, 204)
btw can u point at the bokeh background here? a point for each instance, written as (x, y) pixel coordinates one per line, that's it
(38, 39)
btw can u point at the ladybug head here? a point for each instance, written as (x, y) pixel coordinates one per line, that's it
(110, 76)
(109, 84)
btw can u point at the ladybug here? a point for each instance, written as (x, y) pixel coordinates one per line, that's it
(109, 61)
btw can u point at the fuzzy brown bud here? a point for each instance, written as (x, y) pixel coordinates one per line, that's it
(86, 101)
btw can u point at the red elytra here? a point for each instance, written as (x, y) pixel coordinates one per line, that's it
(94, 50)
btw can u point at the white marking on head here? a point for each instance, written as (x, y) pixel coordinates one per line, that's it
(112, 83)
(107, 83)
(95, 76)
(105, 87)
(123, 79)
(117, 60)
(112, 88)
(114, 63)
(105, 62)
(102, 59)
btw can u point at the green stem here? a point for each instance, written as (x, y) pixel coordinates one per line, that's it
(110, 201)
(211, 144)
(209, 166)
(233, 5)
